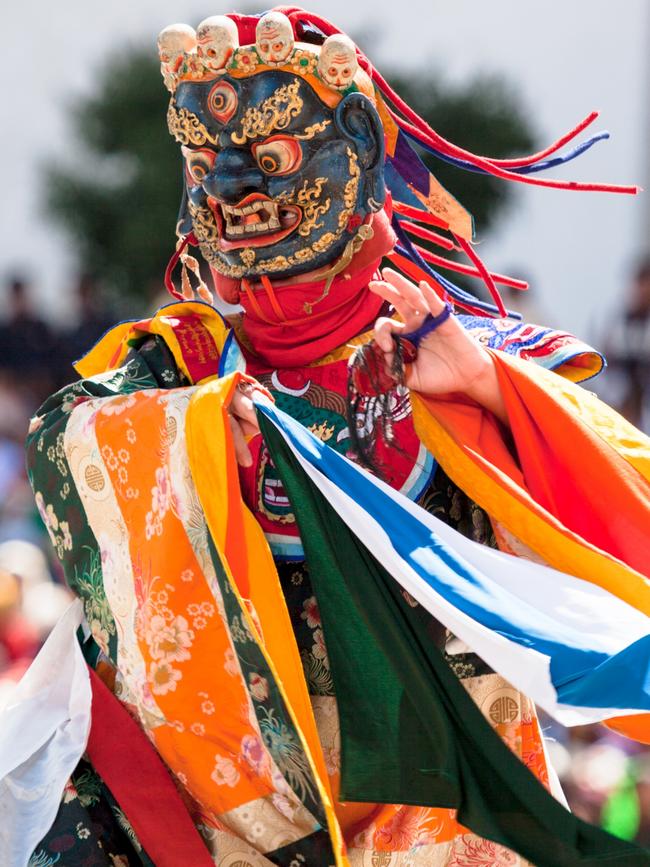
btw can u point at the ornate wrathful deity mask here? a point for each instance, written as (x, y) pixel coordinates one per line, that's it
(282, 168)
(290, 141)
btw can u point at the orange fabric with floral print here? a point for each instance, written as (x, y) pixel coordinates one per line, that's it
(234, 530)
(184, 642)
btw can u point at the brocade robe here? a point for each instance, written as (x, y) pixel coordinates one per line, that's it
(175, 640)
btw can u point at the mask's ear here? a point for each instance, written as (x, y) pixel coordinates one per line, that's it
(357, 119)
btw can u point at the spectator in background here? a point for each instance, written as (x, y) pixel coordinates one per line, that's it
(19, 638)
(93, 320)
(30, 605)
(17, 519)
(627, 348)
(27, 346)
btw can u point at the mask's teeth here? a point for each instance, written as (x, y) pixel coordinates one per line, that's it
(258, 217)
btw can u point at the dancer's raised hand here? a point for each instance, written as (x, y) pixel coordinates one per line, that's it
(448, 358)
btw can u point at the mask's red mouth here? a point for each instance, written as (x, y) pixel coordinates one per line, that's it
(255, 221)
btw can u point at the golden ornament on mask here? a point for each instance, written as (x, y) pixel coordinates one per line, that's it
(351, 190)
(276, 113)
(248, 257)
(311, 131)
(204, 225)
(186, 127)
(308, 199)
(325, 241)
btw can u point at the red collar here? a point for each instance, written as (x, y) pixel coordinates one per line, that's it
(294, 324)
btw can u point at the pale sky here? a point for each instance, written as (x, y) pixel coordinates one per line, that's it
(566, 58)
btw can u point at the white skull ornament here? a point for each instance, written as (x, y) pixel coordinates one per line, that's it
(217, 39)
(173, 43)
(274, 38)
(337, 63)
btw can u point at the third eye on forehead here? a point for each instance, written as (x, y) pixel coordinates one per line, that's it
(225, 107)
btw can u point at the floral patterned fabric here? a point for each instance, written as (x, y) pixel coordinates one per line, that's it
(177, 643)
(126, 523)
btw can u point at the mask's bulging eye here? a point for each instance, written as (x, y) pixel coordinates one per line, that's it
(278, 155)
(198, 164)
(222, 101)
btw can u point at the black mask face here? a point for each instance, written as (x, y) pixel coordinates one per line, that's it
(276, 182)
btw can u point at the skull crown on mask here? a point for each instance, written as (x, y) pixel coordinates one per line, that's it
(283, 153)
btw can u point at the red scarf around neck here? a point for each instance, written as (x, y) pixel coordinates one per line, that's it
(293, 324)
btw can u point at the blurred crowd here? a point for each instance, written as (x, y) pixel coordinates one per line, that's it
(625, 340)
(606, 778)
(35, 360)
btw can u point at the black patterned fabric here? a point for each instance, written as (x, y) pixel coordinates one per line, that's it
(90, 829)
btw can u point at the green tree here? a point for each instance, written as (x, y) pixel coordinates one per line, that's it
(120, 199)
